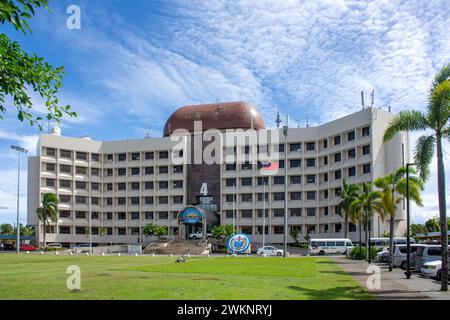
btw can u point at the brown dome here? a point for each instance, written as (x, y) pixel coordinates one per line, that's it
(228, 115)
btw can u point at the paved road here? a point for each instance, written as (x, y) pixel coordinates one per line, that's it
(394, 285)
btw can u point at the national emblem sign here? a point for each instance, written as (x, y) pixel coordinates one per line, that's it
(238, 243)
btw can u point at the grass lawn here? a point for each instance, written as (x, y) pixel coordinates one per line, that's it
(37, 276)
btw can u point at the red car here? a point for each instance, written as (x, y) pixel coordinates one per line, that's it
(27, 247)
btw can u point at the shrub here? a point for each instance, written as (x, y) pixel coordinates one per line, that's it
(359, 253)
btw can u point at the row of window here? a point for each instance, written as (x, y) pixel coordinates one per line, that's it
(279, 196)
(120, 186)
(121, 201)
(63, 168)
(279, 212)
(117, 216)
(95, 157)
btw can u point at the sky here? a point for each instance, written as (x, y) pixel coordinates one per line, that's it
(132, 63)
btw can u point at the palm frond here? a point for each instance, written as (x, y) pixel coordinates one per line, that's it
(405, 121)
(439, 105)
(423, 155)
(441, 76)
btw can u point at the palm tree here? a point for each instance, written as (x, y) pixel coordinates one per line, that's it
(48, 211)
(349, 193)
(393, 190)
(364, 205)
(435, 122)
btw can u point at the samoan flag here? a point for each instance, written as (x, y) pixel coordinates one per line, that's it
(269, 167)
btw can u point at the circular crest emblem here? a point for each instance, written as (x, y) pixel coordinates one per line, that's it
(238, 243)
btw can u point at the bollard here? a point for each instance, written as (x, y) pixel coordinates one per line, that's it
(103, 254)
(118, 254)
(56, 252)
(28, 252)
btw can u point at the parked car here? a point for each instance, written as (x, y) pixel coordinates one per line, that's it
(382, 256)
(270, 251)
(333, 246)
(400, 253)
(54, 245)
(426, 253)
(432, 269)
(199, 235)
(381, 243)
(27, 247)
(82, 247)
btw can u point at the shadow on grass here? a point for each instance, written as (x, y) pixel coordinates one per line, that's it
(347, 292)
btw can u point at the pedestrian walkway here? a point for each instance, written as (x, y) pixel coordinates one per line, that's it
(394, 285)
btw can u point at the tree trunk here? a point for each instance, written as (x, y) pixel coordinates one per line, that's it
(391, 242)
(345, 225)
(442, 213)
(45, 232)
(367, 240)
(360, 233)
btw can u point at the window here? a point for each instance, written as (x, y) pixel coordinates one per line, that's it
(351, 136)
(338, 227)
(230, 198)
(295, 163)
(121, 216)
(64, 214)
(95, 172)
(366, 149)
(310, 163)
(95, 157)
(295, 212)
(50, 167)
(163, 154)
(135, 186)
(49, 182)
(351, 153)
(246, 166)
(149, 155)
(230, 167)
(122, 231)
(278, 213)
(80, 199)
(148, 200)
(50, 152)
(65, 184)
(247, 229)
(81, 170)
(310, 146)
(260, 213)
(178, 169)
(230, 182)
(178, 184)
(337, 140)
(325, 160)
(148, 215)
(278, 180)
(246, 214)
(135, 216)
(278, 229)
(278, 196)
(81, 185)
(325, 177)
(163, 185)
(337, 157)
(351, 227)
(246, 197)
(149, 170)
(366, 168)
(261, 195)
(310, 178)
(163, 215)
(325, 194)
(229, 214)
(65, 168)
(64, 230)
(365, 131)
(337, 175)
(80, 214)
(177, 199)
(122, 171)
(121, 186)
(122, 157)
(351, 171)
(121, 201)
(65, 154)
(294, 146)
(109, 157)
(109, 172)
(95, 186)
(80, 230)
(135, 171)
(295, 179)
(263, 181)
(149, 185)
(296, 195)
(109, 201)
(246, 182)
(135, 156)
(95, 215)
(281, 147)
(311, 212)
(81, 155)
(163, 200)
(310, 195)
(325, 211)
(325, 143)
(163, 170)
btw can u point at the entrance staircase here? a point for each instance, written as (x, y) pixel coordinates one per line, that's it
(180, 247)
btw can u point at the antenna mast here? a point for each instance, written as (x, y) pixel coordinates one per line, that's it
(362, 99)
(278, 119)
(372, 98)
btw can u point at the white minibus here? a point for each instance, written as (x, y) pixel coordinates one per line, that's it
(333, 246)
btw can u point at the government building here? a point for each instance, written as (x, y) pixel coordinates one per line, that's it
(221, 160)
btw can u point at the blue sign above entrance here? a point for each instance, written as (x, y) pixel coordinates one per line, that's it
(191, 215)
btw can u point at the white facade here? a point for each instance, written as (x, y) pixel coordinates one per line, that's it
(133, 182)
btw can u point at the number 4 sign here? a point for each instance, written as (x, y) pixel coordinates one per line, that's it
(204, 189)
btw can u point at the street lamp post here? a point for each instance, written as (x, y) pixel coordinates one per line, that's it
(408, 240)
(19, 151)
(285, 132)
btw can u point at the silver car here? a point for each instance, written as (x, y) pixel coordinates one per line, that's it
(425, 254)
(399, 257)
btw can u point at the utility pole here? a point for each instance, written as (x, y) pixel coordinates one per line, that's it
(19, 151)
(285, 132)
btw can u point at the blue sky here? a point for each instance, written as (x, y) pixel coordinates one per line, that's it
(134, 62)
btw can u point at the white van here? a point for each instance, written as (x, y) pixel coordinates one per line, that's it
(329, 246)
(381, 243)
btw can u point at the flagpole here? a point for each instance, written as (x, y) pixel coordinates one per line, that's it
(264, 213)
